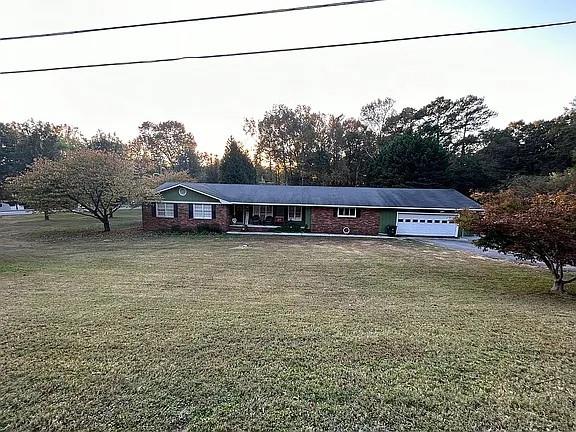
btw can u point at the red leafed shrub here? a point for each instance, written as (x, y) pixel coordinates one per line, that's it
(540, 227)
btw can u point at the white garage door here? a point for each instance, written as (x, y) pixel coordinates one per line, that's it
(427, 224)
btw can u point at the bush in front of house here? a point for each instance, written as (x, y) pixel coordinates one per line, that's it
(205, 228)
(208, 228)
(292, 228)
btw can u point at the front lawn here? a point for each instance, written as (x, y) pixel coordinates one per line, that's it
(134, 331)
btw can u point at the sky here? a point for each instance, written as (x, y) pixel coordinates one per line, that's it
(526, 75)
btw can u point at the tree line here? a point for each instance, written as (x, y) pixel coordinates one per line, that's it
(160, 150)
(445, 143)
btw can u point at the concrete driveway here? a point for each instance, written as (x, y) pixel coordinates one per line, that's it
(465, 244)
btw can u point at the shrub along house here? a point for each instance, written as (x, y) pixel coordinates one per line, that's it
(317, 209)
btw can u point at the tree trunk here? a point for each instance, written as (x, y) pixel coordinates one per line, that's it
(558, 287)
(106, 223)
(46, 216)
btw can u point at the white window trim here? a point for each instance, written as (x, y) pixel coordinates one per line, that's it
(199, 211)
(165, 210)
(352, 213)
(292, 214)
(264, 211)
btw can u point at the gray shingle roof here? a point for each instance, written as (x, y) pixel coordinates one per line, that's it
(332, 196)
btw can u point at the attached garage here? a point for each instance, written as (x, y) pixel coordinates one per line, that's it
(427, 224)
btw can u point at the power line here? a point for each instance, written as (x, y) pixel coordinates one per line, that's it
(282, 50)
(188, 20)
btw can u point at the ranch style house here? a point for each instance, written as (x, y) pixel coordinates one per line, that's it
(315, 209)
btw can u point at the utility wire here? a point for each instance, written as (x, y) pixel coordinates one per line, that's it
(180, 21)
(283, 50)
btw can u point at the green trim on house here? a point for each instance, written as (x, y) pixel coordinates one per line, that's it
(387, 217)
(191, 196)
(308, 217)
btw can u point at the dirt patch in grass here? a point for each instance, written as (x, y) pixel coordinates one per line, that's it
(177, 332)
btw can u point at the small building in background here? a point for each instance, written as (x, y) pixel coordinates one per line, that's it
(11, 208)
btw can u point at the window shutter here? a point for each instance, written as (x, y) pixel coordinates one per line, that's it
(213, 211)
(335, 211)
(190, 211)
(176, 211)
(357, 212)
(153, 209)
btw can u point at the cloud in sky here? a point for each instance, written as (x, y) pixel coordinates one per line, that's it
(527, 75)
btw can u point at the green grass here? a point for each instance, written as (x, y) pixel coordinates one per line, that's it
(134, 331)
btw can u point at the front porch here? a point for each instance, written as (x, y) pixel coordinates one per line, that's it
(268, 217)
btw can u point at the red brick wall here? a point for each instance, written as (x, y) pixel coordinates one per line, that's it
(324, 221)
(152, 223)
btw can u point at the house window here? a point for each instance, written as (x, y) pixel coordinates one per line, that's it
(295, 214)
(346, 212)
(263, 211)
(202, 211)
(164, 210)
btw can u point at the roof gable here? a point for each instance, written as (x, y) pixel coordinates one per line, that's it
(172, 193)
